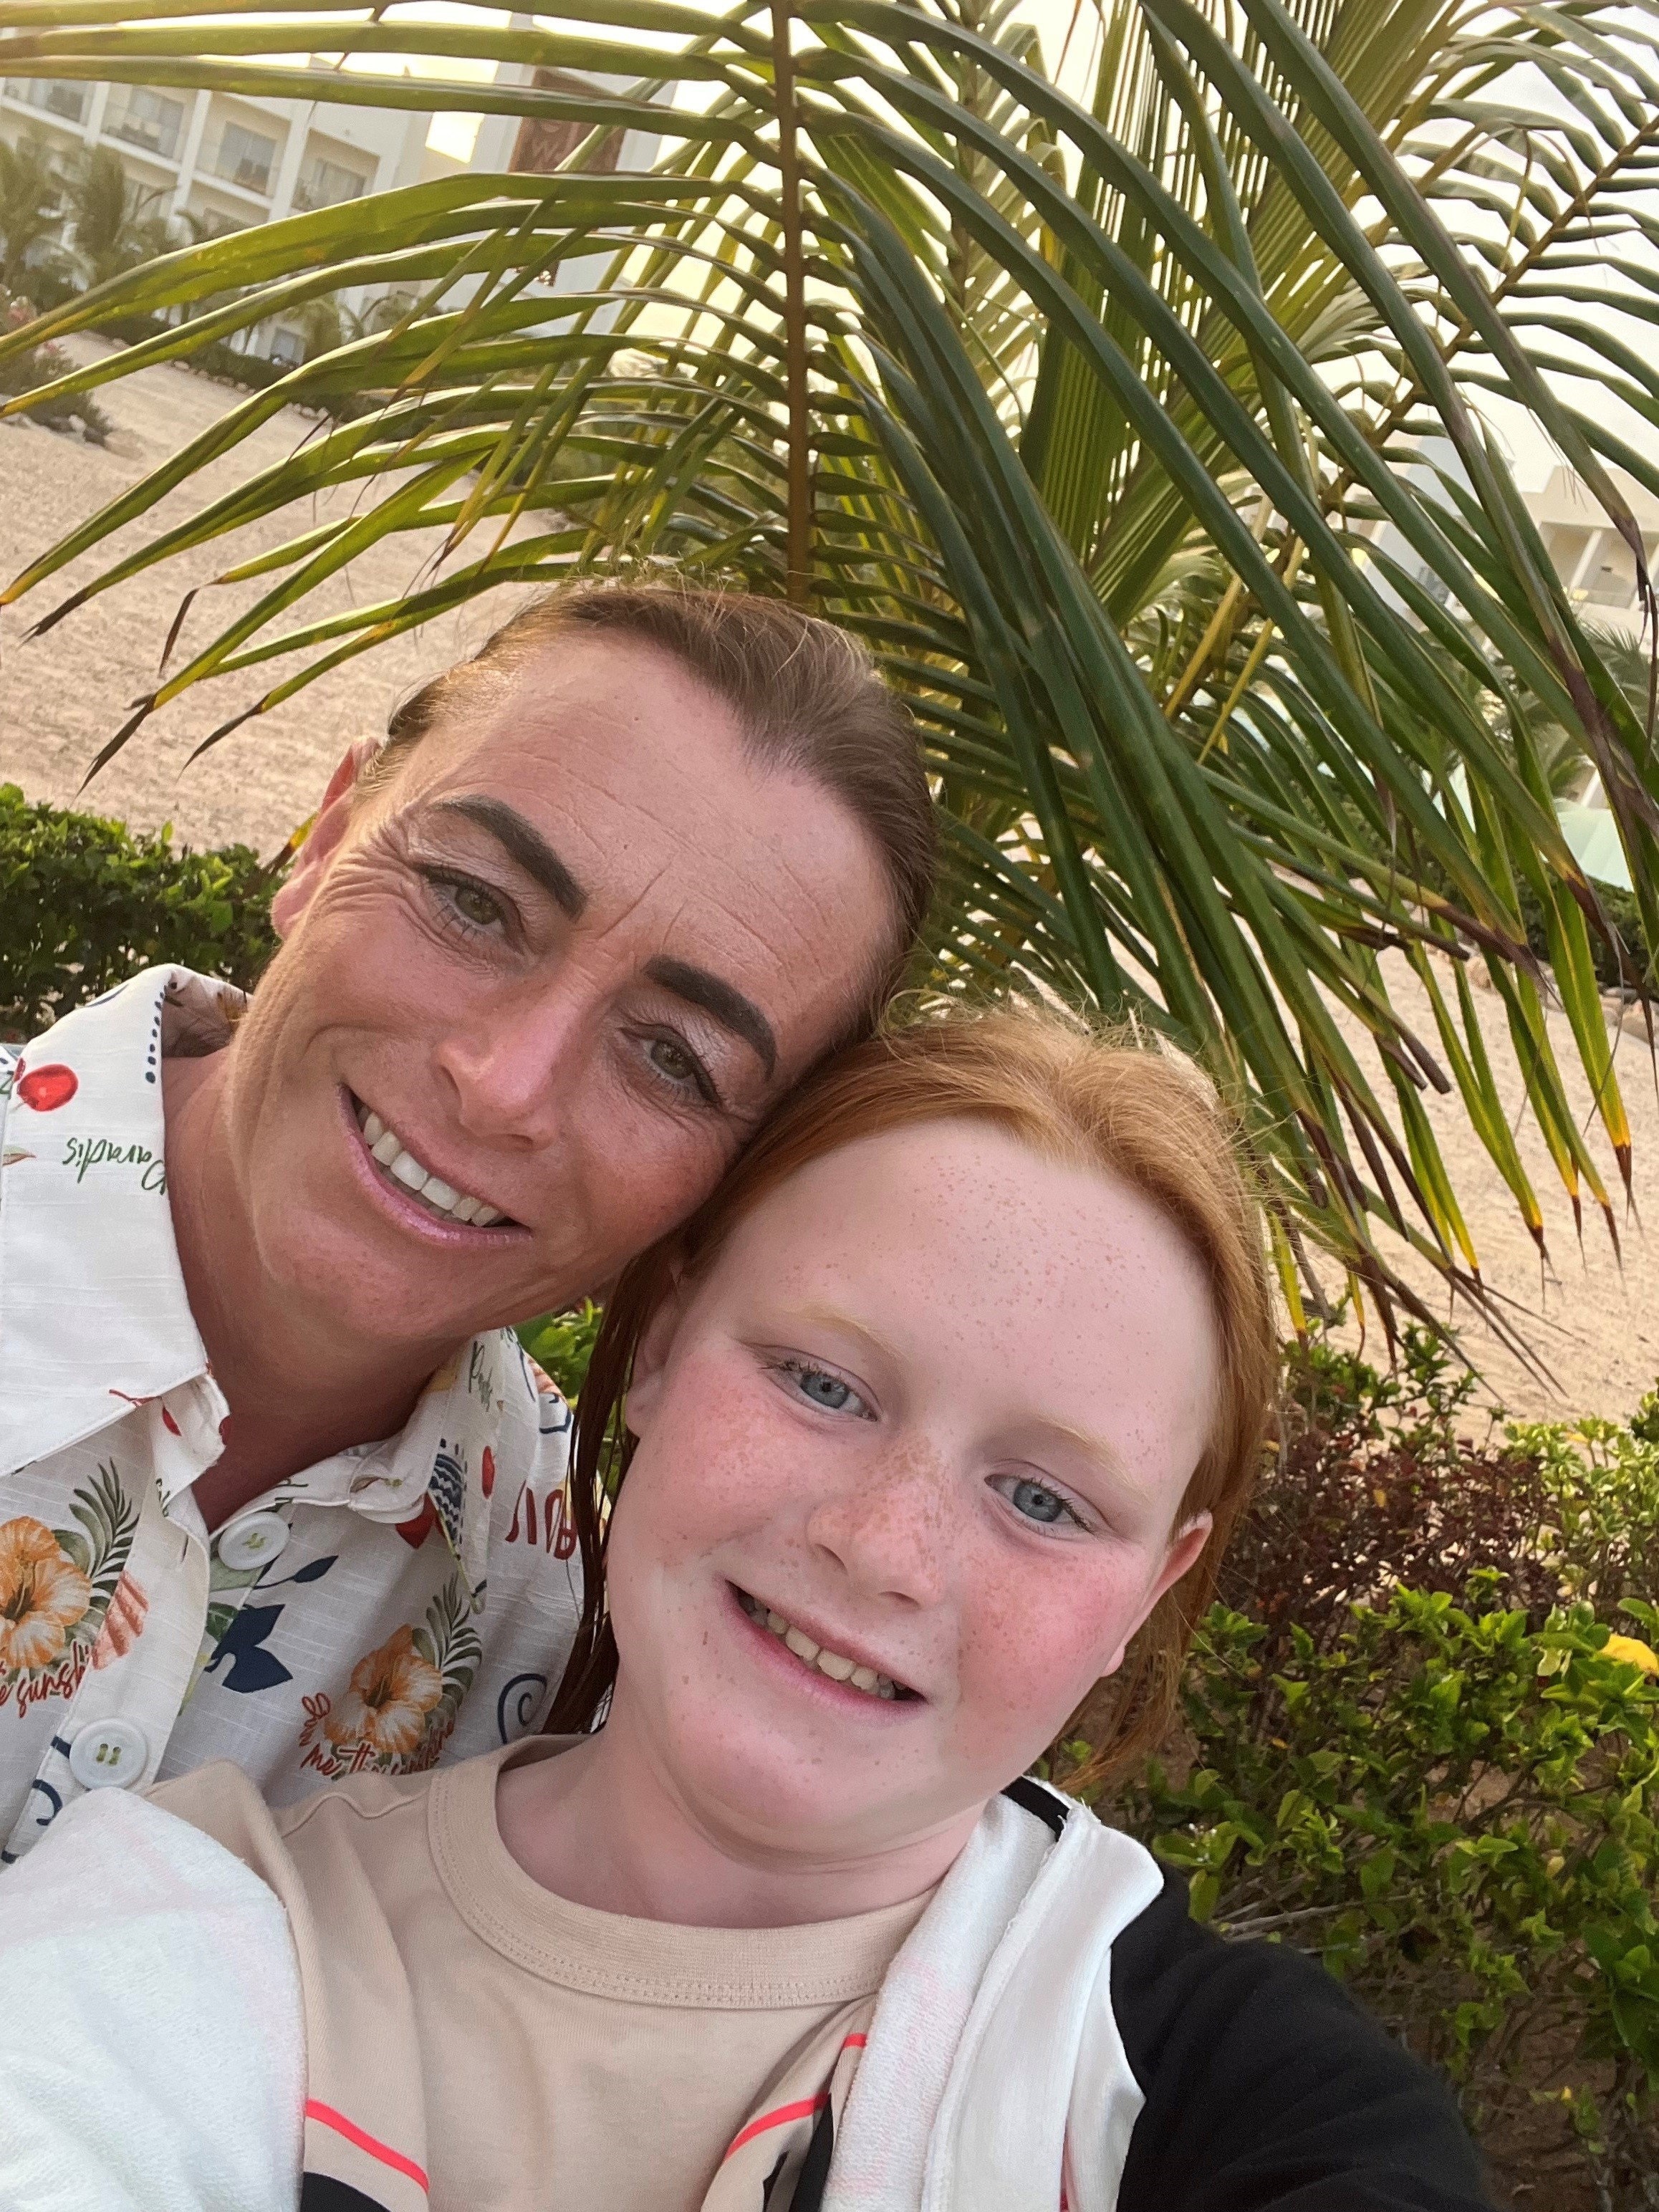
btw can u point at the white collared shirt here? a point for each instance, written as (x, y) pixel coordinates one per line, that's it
(401, 1602)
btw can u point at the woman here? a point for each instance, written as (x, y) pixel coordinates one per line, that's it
(276, 1483)
(937, 1413)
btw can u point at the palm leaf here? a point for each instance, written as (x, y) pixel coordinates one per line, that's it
(1104, 421)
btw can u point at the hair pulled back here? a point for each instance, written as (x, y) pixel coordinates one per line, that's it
(806, 696)
(1142, 1115)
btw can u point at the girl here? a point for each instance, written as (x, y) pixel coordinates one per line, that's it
(939, 1411)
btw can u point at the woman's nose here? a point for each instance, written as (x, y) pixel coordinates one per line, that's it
(511, 1063)
(892, 1534)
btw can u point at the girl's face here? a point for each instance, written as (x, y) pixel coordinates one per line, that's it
(934, 1409)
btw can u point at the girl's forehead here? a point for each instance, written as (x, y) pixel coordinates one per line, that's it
(961, 1210)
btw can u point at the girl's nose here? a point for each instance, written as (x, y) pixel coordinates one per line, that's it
(891, 1534)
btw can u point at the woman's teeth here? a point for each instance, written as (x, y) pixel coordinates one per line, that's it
(834, 1664)
(389, 1151)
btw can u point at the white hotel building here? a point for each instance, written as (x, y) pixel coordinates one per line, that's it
(230, 160)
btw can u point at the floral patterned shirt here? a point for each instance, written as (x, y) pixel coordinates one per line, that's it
(404, 1601)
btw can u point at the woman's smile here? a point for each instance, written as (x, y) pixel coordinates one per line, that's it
(415, 1194)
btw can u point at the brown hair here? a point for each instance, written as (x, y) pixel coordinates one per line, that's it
(1128, 1109)
(806, 696)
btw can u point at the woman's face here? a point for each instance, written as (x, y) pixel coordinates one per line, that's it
(935, 1408)
(567, 958)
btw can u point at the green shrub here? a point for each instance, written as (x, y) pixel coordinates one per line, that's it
(1421, 1742)
(1624, 914)
(562, 1344)
(1458, 1814)
(24, 371)
(85, 903)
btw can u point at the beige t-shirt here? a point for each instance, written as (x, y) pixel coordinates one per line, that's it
(470, 2030)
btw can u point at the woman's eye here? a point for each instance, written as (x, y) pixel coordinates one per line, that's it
(475, 905)
(1035, 1501)
(671, 1060)
(677, 1064)
(470, 908)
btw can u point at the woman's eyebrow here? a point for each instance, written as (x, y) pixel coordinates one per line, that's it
(728, 1006)
(524, 843)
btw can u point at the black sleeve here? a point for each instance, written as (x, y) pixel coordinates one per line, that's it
(1267, 2089)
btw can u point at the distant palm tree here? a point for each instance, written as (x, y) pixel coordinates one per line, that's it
(31, 205)
(116, 223)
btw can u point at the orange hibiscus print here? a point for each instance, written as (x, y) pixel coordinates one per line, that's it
(391, 1693)
(42, 1594)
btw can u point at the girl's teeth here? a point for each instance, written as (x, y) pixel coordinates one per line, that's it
(407, 1170)
(374, 1130)
(440, 1193)
(834, 1664)
(385, 1148)
(464, 1208)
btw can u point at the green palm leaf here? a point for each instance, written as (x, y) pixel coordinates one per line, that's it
(1109, 423)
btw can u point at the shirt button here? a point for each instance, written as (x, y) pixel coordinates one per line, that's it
(252, 1541)
(108, 1755)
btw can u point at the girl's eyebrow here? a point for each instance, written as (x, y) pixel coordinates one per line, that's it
(1106, 1457)
(832, 1317)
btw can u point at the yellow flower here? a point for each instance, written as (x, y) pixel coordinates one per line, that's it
(391, 1693)
(42, 1594)
(1633, 1652)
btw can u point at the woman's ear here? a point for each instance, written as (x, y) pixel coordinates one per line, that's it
(328, 826)
(651, 1359)
(1185, 1547)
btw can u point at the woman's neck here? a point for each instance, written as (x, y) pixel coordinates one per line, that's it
(603, 1826)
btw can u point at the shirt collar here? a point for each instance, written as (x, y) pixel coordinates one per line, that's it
(93, 1312)
(93, 1316)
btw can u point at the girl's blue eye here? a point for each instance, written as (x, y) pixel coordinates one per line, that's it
(1035, 1501)
(821, 1388)
(824, 1389)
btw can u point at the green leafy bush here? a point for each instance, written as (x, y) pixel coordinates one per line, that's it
(87, 904)
(1421, 1742)
(562, 1344)
(1458, 1814)
(27, 370)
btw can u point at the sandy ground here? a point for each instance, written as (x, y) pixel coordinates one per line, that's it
(64, 694)
(1594, 1322)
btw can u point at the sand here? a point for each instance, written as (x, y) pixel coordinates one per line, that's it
(1595, 1324)
(64, 694)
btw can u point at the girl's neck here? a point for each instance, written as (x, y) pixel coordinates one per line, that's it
(603, 1827)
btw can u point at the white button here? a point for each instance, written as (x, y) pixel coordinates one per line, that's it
(108, 1755)
(252, 1541)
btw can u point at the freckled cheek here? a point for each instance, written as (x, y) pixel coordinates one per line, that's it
(1032, 1645)
(717, 1468)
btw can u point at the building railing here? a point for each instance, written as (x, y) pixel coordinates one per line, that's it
(148, 120)
(322, 183)
(243, 157)
(59, 96)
